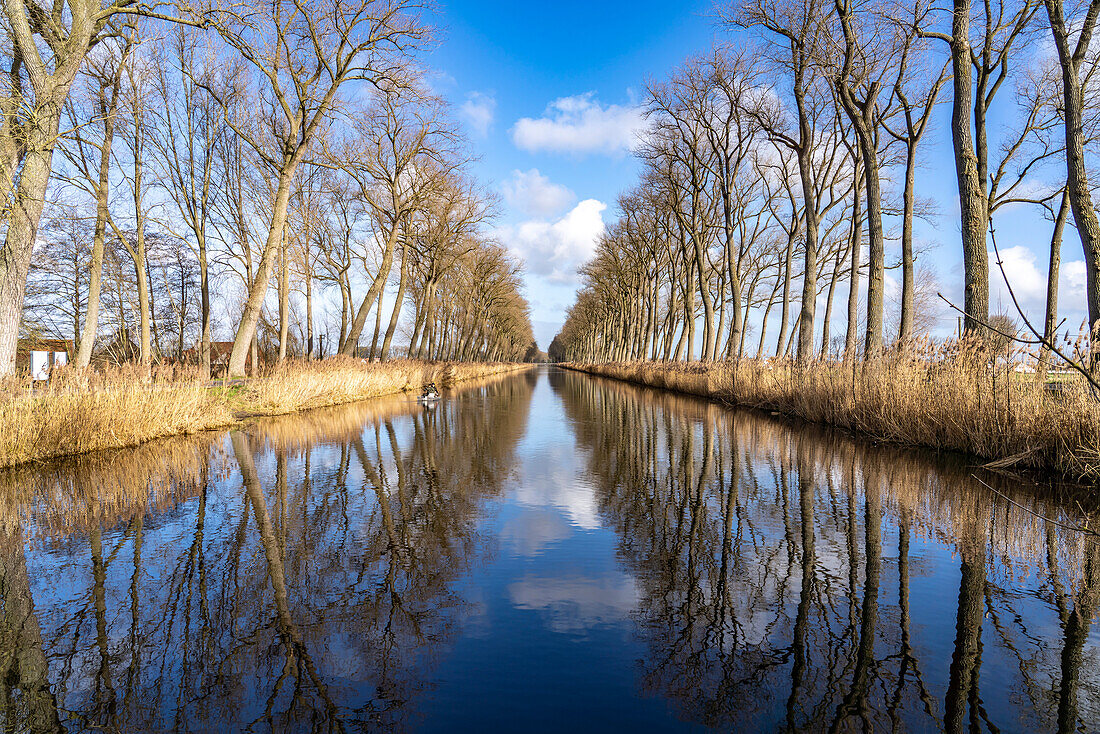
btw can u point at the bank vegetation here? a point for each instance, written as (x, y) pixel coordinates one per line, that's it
(958, 402)
(84, 411)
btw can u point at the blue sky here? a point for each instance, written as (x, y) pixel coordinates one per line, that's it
(550, 92)
(500, 63)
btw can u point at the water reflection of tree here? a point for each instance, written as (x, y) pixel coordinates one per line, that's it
(24, 682)
(775, 566)
(306, 584)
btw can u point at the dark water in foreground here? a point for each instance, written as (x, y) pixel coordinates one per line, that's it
(547, 551)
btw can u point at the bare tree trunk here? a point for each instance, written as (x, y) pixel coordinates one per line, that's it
(345, 308)
(876, 254)
(99, 235)
(144, 307)
(851, 336)
(372, 293)
(905, 329)
(827, 320)
(1077, 182)
(810, 213)
(864, 116)
(27, 203)
(972, 198)
(284, 299)
(785, 305)
(309, 315)
(377, 324)
(701, 261)
(1050, 317)
(246, 331)
(204, 291)
(396, 313)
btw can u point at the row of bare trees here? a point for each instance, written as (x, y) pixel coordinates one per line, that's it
(782, 171)
(241, 170)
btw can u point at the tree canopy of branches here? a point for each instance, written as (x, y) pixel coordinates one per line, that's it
(790, 164)
(214, 151)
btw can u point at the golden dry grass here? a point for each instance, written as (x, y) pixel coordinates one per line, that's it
(106, 488)
(302, 385)
(951, 402)
(84, 411)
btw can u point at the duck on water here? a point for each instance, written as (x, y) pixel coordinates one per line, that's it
(429, 393)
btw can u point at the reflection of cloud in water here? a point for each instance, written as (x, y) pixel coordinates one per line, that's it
(551, 480)
(534, 530)
(577, 603)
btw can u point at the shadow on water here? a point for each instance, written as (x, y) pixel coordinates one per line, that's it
(320, 572)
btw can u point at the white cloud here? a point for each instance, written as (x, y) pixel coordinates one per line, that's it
(535, 530)
(1028, 284)
(576, 603)
(1071, 284)
(1072, 298)
(534, 194)
(1028, 277)
(479, 110)
(556, 249)
(580, 124)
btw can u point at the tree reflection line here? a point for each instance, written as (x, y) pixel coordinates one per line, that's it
(844, 670)
(200, 636)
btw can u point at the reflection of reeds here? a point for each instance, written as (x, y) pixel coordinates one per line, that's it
(342, 423)
(300, 576)
(773, 562)
(106, 488)
(81, 412)
(940, 499)
(954, 402)
(110, 487)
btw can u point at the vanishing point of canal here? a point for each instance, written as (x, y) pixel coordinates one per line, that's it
(542, 552)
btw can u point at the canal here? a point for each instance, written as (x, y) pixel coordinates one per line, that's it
(545, 551)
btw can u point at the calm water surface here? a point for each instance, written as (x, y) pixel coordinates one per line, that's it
(543, 552)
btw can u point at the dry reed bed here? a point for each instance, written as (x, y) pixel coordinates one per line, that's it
(1008, 419)
(80, 412)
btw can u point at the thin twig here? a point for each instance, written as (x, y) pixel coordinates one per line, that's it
(1008, 499)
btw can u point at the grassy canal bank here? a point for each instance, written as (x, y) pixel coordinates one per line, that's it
(81, 412)
(1007, 419)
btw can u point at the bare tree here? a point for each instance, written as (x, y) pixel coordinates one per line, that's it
(977, 75)
(92, 159)
(916, 87)
(1072, 57)
(48, 45)
(185, 139)
(136, 98)
(859, 84)
(302, 55)
(798, 28)
(396, 164)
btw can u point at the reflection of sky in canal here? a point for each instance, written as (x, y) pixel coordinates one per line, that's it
(546, 553)
(552, 641)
